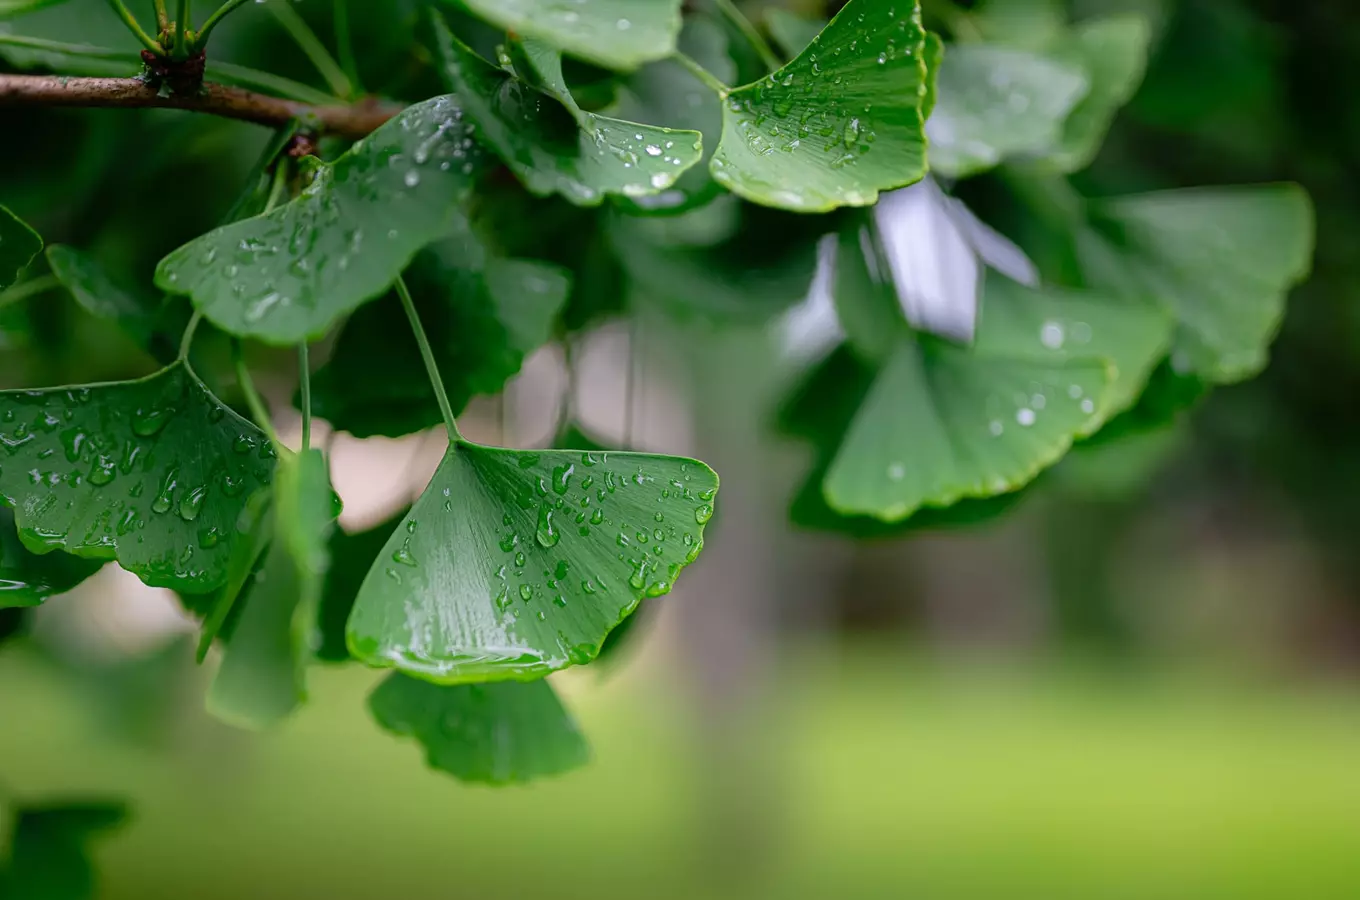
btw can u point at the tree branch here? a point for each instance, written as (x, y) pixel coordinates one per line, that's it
(350, 121)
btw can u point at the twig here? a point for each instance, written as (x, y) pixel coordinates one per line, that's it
(352, 121)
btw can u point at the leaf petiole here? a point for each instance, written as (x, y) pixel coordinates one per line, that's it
(426, 353)
(187, 342)
(344, 45)
(162, 15)
(305, 383)
(201, 39)
(258, 411)
(314, 50)
(31, 288)
(182, 45)
(699, 72)
(750, 32)
(130, 21)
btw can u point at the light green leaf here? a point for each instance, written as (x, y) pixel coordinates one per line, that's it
(942, 424)
(152, 472)
(617, 34)
(506, 733)
(556, 149)
(263, 674)
(10, 9)
(289, 275)
(155, 325)
(514, 564)
(790, 31)
(49, 857)
(18, 245)
(995, 102)
(27, 579)
(837, 125)
(1113, 51)
(934, 61)
(483, 316)
(1220, 259)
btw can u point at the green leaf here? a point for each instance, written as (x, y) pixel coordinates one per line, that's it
(352, 555)
(1220, 259)
(151, 472)
(155, 325)
(483, 315)
(941, 424)
(554, 148)
(27, 579)
(254, 531)
(18, 245)
(617, 34)
(790, 31)
(10, 9)
(514, 564)
(49, 854)
(934, 57)
(837, 125)
(1113, 51)
(997, 102)
(506, 733)
(287, 276)
(263, 674)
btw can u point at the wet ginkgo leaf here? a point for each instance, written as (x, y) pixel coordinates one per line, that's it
(1113, 51)
(152, 472)
(1220, 259)
(152, 323)
(997, 102)
(290, 274)
(514, 564)
(49, 856)
(554, 148)
(262, 677)
(27, 579)
(617, 34)
(837, 125)
(505, 733)
(18, 245)
(941, 424)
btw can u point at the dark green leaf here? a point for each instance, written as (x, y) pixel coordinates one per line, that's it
(149, 320)
(617, 34)
(290, 274)
(152, 472)
(18, 245)
(352, 555)
(837, 125)
(514, 564)
(27, 579)
(49, 855)
(507, 733)
(555, 148)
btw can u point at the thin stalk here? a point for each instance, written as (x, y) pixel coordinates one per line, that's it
(344, 44)
(750, 32)
(258, 411)
(426, 353)
(630, 382)
(135, 27)
(162, 15)
(271, 155)
(268, 81)
(699, 72)
(312, 47)
(87, 51)
(182, 23)
(305, 383)
(277, 188)
(187, 342)
(31, 288)
(201, 39)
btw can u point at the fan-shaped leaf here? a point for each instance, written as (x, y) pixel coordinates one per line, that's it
(18, 245)
(617, 34)
(290, 274)
(27, 579)
(507, 733)
(837, 125)
(1113, 51)
(152, 472)
(514, 564)
(155, 325)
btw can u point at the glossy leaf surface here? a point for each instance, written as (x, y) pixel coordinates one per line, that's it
(27, 579)
(152, 472)
(514, 564)
(18, 245)
(837, 125)
(617, 34)
(504, 733)
(290, 274)
(555, 148)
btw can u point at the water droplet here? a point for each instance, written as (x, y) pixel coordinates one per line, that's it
(192, 504)
(1025, 416)
(703, 513)
(561, 478)
(547, 533)
(526, 593)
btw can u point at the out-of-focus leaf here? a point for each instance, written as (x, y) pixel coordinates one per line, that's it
(49, 850)
(290, 274)
(352, 555)
(18, 245)
(837, 125)
(155, 325)
(790, 31)
(1113, 51)
(10, 9)
(152, 472)
(27, 579)
(617, 34)
(514, 564)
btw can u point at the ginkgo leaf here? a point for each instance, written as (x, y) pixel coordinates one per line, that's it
(18, 245)
(483, 317)
(617, 34)
(837, 125)
(151, 472)
(505, 733)
(556, 149)
(790, 31)
(942, 423)
(262, 677)
(254, 532)
(1113, 51)
(155, 325)
(995, 102)
(1220, 259)
(288, 275)
(49, 856)
(514, 564)
(27, 579)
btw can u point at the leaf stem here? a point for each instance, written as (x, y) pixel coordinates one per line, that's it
(182, 23)
(186, 343)
(305, 383)
(162, 15)
(135, 27)
(31, 288)
(277, 187)
(311, 46)
(201, 39)
(431, 367)
(344, 45)
(258, 411)
(750, 32)
(699, 72)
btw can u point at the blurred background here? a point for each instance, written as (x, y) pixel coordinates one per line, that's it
(1144, 687)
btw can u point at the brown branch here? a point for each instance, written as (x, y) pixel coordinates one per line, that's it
(350, 121)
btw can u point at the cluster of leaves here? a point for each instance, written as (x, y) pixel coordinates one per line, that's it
(588, 160)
